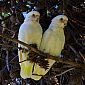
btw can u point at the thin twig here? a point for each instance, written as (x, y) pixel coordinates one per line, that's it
(7, 60)
(65, 72)
(82, 56)
(76, 53)
(10, 46)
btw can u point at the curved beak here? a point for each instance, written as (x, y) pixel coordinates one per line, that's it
(65, 22)
(37, 20)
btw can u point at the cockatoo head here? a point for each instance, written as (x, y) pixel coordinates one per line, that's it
(60, 21)
(32, 16)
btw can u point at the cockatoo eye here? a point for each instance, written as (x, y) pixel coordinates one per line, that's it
(61, 19)
(65, 24)
(33, 15)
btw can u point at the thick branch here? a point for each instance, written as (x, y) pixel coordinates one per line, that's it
(78, 65)
(56, 58)
(20, 42)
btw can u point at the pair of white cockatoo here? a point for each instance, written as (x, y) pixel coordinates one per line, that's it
(52, 42)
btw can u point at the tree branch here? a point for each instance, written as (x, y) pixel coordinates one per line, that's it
(56, 58)
(20, 42)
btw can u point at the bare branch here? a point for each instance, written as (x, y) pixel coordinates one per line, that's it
(20, 42)
(56, 58)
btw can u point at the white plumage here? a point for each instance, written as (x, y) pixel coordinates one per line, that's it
(52, 42)
(30, 32)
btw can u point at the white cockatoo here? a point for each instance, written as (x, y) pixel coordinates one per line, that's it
(52, 42)
(30, 32)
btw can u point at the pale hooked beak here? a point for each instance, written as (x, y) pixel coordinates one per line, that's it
(37, 20)
(65, 22)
